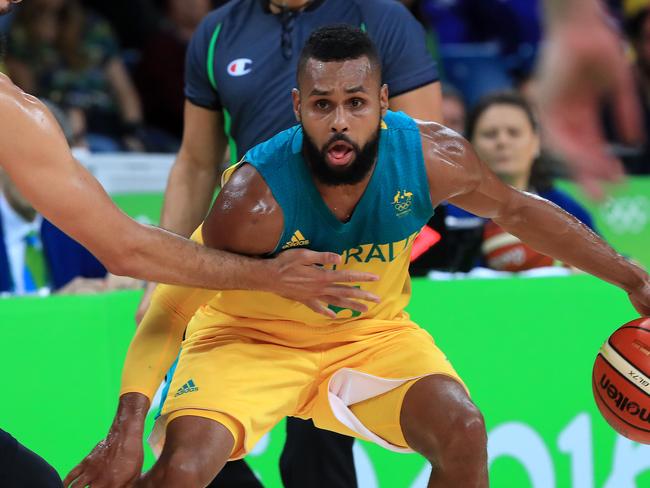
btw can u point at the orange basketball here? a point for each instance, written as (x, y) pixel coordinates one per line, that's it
(621, 380)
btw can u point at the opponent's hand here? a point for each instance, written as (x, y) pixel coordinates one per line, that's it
(298, 274)
(584, 63)
(640, 298)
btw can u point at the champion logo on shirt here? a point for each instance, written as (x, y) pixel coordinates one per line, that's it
(240, 67)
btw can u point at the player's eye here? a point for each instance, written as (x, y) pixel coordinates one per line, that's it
(322, 104)
(356, 102)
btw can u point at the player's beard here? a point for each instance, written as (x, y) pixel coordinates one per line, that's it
(356, 171)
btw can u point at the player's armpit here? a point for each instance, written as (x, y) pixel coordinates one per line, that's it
(245, 217)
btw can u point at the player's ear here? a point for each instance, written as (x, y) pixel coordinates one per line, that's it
(295, 96)
(383, 99)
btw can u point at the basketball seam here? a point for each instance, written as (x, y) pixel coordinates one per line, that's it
(609, 341)
(622, 375)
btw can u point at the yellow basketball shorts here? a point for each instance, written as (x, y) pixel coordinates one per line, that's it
(249, 377)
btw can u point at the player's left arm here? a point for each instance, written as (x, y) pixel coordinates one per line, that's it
(457, 174)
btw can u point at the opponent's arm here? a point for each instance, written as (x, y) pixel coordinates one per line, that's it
(456, 174)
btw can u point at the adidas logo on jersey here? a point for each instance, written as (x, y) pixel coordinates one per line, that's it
(297, 240)
(187, 388)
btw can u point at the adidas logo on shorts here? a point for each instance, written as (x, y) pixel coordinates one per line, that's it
(188, 387)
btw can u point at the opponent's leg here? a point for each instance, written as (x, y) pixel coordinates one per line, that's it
(236, 474)
(316, 458)
(439, 421)
(195, 450)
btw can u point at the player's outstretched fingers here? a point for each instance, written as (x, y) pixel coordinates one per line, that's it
(352, 292)
(306, 256)
(319, 308)
(349, 276)
(345, 303)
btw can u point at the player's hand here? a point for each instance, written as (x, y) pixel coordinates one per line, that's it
(582, 65)
(298, 274)
(145, 301)
(116, 462)
(640, 298)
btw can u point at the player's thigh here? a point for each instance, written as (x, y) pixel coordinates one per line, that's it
(256, 384)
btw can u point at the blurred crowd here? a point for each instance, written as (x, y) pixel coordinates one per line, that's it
(113, 73)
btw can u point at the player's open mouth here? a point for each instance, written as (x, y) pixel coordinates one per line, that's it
(340, 153)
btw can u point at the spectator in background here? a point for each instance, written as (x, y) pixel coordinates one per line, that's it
(637, 160)
(159, 74)
(503, 130)
(496, 38)
(133, 21)
(454, 111)
(61, 52)
(35, 255)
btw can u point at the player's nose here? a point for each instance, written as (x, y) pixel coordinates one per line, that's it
(339, 120)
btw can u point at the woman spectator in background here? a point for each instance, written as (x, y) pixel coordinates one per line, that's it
(503, 130)
(61, 52)
(160, 73)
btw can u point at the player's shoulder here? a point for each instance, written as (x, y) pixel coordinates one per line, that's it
(247, 209)
(449, 157)
(246, 194)
(12, 98)
(440, 139)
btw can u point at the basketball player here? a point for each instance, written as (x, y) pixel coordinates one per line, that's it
(357, 179)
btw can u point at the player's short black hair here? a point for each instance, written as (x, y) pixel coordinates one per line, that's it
(339, 42)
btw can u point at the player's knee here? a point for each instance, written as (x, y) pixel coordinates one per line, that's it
(463, 437)
(468, 439)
